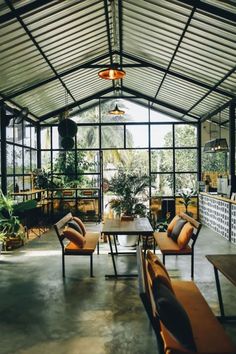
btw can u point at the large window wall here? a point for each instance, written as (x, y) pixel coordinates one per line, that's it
(141, 140)
(21, 155)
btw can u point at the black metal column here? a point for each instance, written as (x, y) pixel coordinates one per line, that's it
(38, 130)
(232, 145)
(3, 150)
(199, 152)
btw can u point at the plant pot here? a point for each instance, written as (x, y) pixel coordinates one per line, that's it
(13, 243)
(127, 240)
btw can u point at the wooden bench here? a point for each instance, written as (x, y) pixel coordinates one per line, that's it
(70, 249)
(208, 333)
(169, 247)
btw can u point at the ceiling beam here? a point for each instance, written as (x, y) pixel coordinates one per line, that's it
(230, 72)
(177, 75)
(8, 2)
(159, 102)
(24, 9)
(74, 104)
(216, 111)
(61, 75)
(108, 30)
(177, 48)
(211, 9)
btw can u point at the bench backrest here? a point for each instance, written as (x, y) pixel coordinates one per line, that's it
(60, 225)
(146, 295)
(196, 225)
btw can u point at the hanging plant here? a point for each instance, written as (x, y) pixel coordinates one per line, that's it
(67, 128)
(67, 143)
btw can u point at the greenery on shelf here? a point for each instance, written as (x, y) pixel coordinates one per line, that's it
(127, 187)
(187, 196)
(10, 225)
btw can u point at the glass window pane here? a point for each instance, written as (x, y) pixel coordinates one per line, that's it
(156, 116)
(89, 161)
(137, 136)
(9, 132)
(88, 137)
(33, 137)
(18, 160)
(18, 134)
(27, 131)
(55, 138)
(46, 160)
(33, 160)
(45, 138)
(91, 115)
(185, 180)
(185, 160)
(27, 182)
(185, 135)
(162, 185)
(161, 135)
(10, 165)
(112, 136)
(27, 165)
(10, 185)
(162, 160)
(133, 112)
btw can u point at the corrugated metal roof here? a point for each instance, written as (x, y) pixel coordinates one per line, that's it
(179, 55)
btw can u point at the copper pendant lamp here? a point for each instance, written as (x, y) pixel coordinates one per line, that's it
(112, 73)
(116, 111)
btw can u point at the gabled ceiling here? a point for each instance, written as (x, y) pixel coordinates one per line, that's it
(179, 55)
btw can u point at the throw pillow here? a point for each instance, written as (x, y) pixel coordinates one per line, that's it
(172, 224)
(75, 226)
(74, 236)
(185, 235)
(173, 316)
(177, 228)
(157, 272)
(81, 224)
(153, 257)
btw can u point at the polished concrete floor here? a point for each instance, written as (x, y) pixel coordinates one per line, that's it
(42, 313)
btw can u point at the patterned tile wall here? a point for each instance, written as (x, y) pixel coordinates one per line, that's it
(215, 213)
(233, 223)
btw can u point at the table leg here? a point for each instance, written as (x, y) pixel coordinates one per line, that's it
(222, 312)
(112, 255)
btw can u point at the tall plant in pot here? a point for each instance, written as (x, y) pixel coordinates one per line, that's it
(129, 191)
(10, 226)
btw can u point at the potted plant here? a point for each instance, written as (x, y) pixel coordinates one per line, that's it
(12, 232)
(187, 196)
(127, 187)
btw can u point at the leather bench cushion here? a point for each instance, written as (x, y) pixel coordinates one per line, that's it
(89, 247)
(208, 333)
(166, 244)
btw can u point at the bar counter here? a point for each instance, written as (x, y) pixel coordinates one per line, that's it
(219, 214)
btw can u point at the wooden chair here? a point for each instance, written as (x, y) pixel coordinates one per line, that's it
(70, 249)
(169, 247)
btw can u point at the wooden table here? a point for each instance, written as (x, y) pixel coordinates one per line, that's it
(29, 193)
(226, 264)
(114, 227)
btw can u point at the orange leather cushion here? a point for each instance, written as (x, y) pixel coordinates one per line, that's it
(80, 223)
(185, 235)
(154, 258)
(75, 237)
(172, 224)
(157, 272)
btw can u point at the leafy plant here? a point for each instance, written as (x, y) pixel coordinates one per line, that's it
(9, 223)
(187, 195)
(127, 187)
